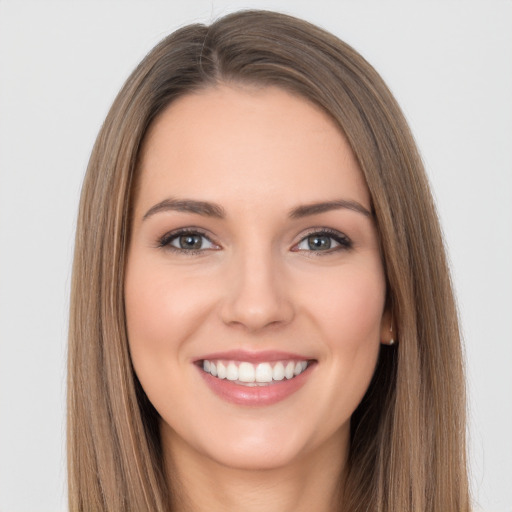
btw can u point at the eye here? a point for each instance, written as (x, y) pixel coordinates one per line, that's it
(187, 241)
(324, 241)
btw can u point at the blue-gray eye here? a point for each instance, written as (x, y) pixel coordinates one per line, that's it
(317, 242)
(324, 242)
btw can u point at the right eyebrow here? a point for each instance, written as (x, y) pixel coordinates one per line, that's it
(188, 206)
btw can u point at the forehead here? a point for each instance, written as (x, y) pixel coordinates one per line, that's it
(251, 142)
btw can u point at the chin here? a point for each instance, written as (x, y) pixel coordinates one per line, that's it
(257, 454)
(251, 444)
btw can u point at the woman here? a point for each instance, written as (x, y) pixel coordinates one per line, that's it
(261, 312)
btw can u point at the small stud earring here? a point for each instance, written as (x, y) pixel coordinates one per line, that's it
(391, 341)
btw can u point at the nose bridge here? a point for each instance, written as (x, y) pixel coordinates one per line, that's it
(257, 294)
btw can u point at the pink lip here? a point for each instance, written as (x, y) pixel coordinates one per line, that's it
(255, 395)
(253, 357)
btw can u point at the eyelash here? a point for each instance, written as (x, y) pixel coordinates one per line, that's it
(165, 241)
(344, 242)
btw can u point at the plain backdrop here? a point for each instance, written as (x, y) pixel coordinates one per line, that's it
(449, 63)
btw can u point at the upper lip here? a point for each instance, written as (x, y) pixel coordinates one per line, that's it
(254, 356)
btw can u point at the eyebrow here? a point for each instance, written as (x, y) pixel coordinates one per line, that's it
(188, 206)
(208, 209)
(316, 208)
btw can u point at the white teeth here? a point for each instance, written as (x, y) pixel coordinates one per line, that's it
(221, 370)
(278, 372)
(246, 372)
(254, 375)
(232, 371)
(264, 372)
(288, 371)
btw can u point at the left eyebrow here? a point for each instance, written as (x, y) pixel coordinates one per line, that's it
(316, 208)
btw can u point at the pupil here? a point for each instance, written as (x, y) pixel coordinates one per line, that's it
(316, 242)
(190, 242)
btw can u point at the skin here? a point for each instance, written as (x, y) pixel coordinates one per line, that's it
(255, 284)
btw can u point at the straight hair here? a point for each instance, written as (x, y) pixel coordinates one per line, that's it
(407, 449)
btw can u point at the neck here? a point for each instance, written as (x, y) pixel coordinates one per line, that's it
(201, 484)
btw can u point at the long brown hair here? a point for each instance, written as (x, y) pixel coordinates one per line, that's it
(407, 448)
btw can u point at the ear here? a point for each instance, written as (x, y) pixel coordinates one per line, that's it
(387, 332)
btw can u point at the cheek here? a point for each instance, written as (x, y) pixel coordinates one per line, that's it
(349, 317)
(163, 309)
(351, 309)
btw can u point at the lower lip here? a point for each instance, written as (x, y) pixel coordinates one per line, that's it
(255, 395)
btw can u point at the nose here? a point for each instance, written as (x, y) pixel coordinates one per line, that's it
(257, 294)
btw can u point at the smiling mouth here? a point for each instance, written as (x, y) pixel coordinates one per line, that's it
(249, 374)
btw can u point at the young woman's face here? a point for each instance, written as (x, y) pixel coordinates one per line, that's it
(254, 285)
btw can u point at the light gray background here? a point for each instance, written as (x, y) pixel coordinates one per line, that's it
(449, 63)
